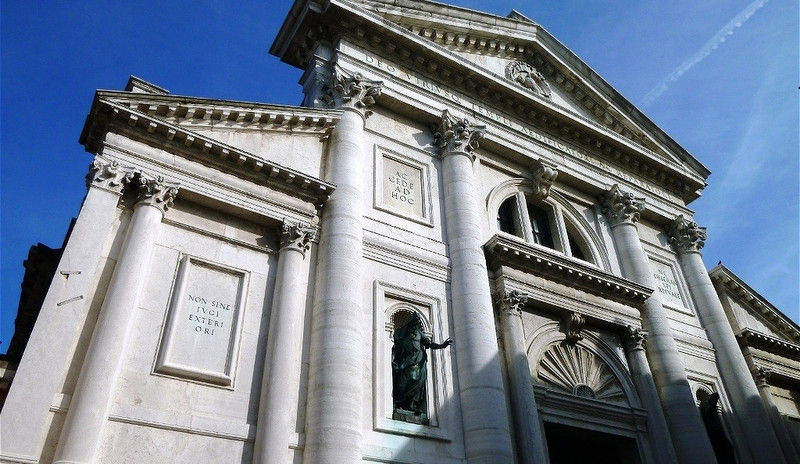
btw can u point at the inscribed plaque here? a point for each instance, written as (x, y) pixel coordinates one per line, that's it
(201, 333)
(666, 284)
(402, 188)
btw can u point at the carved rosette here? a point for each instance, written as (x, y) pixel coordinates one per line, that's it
(528, 77)
(635, 339)
(621, 207)
(761, 376)
(108, 175)
(512, 302)
(355, 92)
(686, 236)
(296, 236)
(157, 192)
(543, 178)
(457, 135)
(573, 325)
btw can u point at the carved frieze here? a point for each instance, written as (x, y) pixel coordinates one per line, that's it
(296, 236)
(155, 191)
(457, 135)
(108, 175)
(686, 235)
(621, 207)
(528, 77)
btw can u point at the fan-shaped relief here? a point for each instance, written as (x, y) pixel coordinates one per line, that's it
(575, 370)
(528, 77)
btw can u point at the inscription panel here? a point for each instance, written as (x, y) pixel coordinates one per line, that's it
(401, 186)
(667, 286)
(201, 335)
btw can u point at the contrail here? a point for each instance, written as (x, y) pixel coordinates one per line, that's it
(712, 44)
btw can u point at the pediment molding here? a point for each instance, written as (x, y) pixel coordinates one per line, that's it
(399, 45)
(123, 115)
(505, 251)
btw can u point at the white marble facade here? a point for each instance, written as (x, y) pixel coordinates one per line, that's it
(229, 291)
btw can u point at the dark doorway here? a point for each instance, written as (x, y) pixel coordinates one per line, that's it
(573, 445)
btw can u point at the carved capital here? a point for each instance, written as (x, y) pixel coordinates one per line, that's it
(108, 175)
(621, 207)
(528, 77)
(457, 135)
(543, 178)
(512, 302)
(155, 191)
(355, 92)
(635, 339)
(573, 326)
(296, 236)
(686, 235)
(761, 375)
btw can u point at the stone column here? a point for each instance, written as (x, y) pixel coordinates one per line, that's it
(41, 373)
(790, 453)
(683, 418)
(528, 429)
(657, 430)
(94, 390)
(335, 390)
(688, 238)
(281, 379)
(487, 435)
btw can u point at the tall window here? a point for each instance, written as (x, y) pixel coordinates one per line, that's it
(540, 226)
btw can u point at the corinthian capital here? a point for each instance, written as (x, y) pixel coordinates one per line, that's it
(686, 235)
(512, 302)
(355, 92)
(634, 338)
(621, 207)
(108, 175)
(296, 236)
(543, 178)
(155, 191)
(761, 375)
(456, 135)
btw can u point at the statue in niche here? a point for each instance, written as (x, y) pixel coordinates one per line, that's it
(723, 448)
(409, 368)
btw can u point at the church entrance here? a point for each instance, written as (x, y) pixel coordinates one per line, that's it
(573, 445)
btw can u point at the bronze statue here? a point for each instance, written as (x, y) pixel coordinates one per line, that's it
(409, 370)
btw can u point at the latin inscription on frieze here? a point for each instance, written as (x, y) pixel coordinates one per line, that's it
(667, 287)
(201, 332)
(402, 187)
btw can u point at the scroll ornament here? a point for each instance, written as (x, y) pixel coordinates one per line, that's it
(686, 235)
(621, 207)
(457, 135)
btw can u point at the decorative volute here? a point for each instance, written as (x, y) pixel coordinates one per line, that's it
(297, 236)
(512, 302)
(621, 207)
(355, 92)
(635, 339)
(686, 235)
(109, 175)
(457, 135)
(155, 191)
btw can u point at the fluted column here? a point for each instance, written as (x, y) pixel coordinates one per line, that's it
(487, 434)
(335, 392)
(683, 418)
(94, 390)
(281, 378)
(688, 238)
(657, 430)
(41, 372)
(790, 453)
(527, 427)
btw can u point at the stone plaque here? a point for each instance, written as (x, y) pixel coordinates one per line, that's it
(666, 284)
(402, 188)
(201, 334)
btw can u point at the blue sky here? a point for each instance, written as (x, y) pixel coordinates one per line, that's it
(721, 77)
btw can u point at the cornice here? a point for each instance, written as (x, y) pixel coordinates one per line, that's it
(109, 114)
(768, 343)
(505, 251)
(742, 293)
(436, 61)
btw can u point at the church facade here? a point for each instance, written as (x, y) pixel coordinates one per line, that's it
(241, 277)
